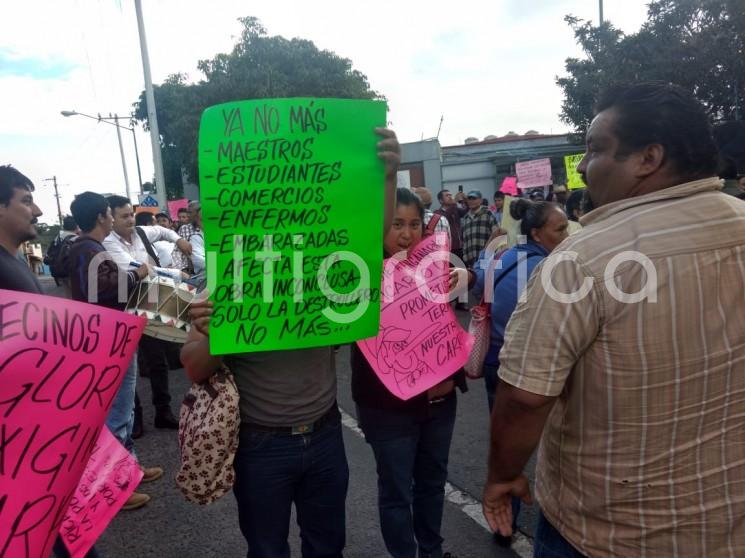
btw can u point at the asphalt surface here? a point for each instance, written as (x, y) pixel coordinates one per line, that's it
(171, 527)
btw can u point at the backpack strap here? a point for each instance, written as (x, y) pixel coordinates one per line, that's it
(148, 245)
(430, 230)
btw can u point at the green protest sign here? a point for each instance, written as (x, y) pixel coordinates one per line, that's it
(574, 180)
(292, 209)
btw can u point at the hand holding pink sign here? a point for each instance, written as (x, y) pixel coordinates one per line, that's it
(61, 363)
(420, 342)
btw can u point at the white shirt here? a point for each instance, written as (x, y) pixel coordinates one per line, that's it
(441, 225)
(163, 249)
(124, 253)
(197, 251)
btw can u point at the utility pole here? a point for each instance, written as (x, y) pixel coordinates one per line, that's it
(152, 118)
(601, 12)
(53, 180)
(121, 152)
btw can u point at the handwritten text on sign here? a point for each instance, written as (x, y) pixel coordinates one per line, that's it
(292, 205)
(111, 476)
(420, 342)
(574, 179)
(531, 174)
(61, 363)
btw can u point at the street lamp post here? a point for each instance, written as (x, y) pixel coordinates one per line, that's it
(115, 119)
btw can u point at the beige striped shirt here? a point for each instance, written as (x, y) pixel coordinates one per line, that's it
(643, 454)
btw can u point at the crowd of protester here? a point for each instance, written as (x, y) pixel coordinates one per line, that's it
(634, 403)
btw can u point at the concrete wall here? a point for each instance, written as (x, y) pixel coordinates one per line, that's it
(428, 154)
(472, 176)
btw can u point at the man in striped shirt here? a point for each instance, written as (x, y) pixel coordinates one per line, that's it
(627, 354)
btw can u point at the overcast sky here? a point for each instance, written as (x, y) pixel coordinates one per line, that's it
(487, 66)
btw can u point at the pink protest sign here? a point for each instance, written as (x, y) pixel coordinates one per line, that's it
(509, 186)
(175, 205)
(61, 363)
(420, 342)
(531, 174)
(110, 477)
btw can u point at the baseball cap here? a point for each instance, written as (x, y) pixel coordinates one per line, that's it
(474, 194)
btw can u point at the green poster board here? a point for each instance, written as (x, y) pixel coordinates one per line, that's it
(292, 207)
(574, 180)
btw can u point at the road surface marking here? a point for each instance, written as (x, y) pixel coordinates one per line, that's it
(469, 505)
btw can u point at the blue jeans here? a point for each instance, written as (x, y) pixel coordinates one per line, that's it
(412, 462)
(549, 543)
(121, 415)
(273, 471)
(491, 381)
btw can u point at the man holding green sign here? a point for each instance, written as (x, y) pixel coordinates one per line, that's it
(292, 261)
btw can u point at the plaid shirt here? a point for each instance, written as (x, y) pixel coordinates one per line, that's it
(643, 454)
(179, 259)
(476, 229)
(185, 231)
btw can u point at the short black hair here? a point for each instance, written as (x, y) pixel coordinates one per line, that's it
(531, 214)
(162, 215)
(11, 179)
(117, 201)
(574, 202)
(441, 194)
(727, 168)
(86, 208)
(499, 195)
(404, 196)
(144, 219)
(659, 112)
(68, 223)
(182, 210)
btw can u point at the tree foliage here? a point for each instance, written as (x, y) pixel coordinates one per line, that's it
(697, 44)
(259, 66)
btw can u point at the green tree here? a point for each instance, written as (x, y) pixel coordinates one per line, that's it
(697, 44)
(259, 66)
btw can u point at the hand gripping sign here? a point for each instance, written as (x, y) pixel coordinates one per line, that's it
(61, 363)
(420, 342)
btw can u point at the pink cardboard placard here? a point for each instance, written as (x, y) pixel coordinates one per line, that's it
(110, 477)
(509, 186)
(175, 205)
(420, 342)
(531, 174)
(61, 363)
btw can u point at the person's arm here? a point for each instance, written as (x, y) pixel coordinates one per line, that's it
(156, 233)
(118, 253)
(390, 152)
(195, 354)
(533, 374)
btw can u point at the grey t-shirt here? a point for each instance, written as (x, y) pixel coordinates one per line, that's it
(284, 388)
(16, 275)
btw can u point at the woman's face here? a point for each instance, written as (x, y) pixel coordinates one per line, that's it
(553, 231)
(406, 230)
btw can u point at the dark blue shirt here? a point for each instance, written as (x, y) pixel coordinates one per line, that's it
(509, 282)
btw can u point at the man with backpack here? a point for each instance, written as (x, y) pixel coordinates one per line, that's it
(130, 247)
(57, 256)
(93, 214)
(433, 222)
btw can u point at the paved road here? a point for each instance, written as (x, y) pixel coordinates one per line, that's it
(170, 527)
